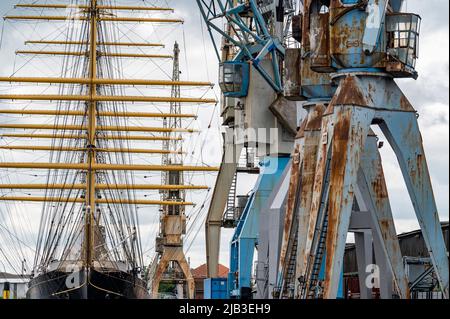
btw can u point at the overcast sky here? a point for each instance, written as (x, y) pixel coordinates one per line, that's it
(429, 94)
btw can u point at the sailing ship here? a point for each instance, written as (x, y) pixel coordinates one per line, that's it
(89, 242)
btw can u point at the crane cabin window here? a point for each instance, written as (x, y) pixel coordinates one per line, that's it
(234, 78)
(403, 31)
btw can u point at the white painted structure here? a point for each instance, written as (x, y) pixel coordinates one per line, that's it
(18, 285)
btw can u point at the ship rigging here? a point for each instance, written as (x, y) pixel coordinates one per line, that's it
(89, 240)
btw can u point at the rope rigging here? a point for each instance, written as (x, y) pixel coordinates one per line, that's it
(61, 228)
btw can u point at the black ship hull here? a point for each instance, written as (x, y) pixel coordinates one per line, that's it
(87, 284)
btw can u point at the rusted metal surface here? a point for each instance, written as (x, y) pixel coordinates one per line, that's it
(371, 90)
(366, 95)
(347, 29)
(320, 47)
(349, 93)
(309, 218)
(290, 211)
(350, 130)
(343, 133)
(315, 113)
(306, 24)
(314, 85)
(173, 254)
(301, 130)
(292, 74)
(372, 177)
(311, 144)
(402, 132)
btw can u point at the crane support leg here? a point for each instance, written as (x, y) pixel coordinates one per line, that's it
(246, 235)
(373, 189)
(346, 140)
(354, 108)
(402, 132)
(218, 202)
(311, 144)
(270, 236)
(173, 254)
(297, 208)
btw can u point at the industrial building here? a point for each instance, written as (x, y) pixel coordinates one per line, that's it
(415, 258)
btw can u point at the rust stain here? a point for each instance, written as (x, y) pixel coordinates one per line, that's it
(420, 167)
(306, 24)
(405, 105)
(290, 206)
(320, 57)
(349, 93)
(315, 118)
(384, 225)
(338, 165)
(301, 130)
(379, 186)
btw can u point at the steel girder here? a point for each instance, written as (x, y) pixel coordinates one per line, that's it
(250, 34)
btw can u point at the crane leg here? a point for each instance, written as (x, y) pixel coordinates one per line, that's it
(346, 138)
(372, 184)
(402, 132)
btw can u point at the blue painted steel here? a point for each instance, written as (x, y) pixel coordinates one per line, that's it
(340, 293)
(347, 49)
(364, 35)
(396, 5)
(215, 288)
(254, 45)
(374, 24)
(234, 78)
(402, 132)
(246, 234)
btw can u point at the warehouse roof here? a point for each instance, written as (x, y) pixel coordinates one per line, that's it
(201, 271)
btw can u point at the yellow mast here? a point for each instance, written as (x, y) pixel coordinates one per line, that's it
(103, 18)
(125, 44)
(103, 81)
(97, 128)
(104, 98)
(103, 186)
(99, 201)
(105, 114)
(92, 126)
(109, 167)
(80, 136)
(99, 7)
(114, 55)
(78, 149)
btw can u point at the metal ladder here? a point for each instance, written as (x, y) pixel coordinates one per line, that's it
(309, 285)
(318, 258)
(288, 284)
(289, 278)
(229, 217)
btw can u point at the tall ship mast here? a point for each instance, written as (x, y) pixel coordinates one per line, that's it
(89, 242)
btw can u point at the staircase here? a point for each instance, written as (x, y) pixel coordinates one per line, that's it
(229, 217)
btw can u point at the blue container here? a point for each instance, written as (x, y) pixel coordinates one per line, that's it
(215, 288)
